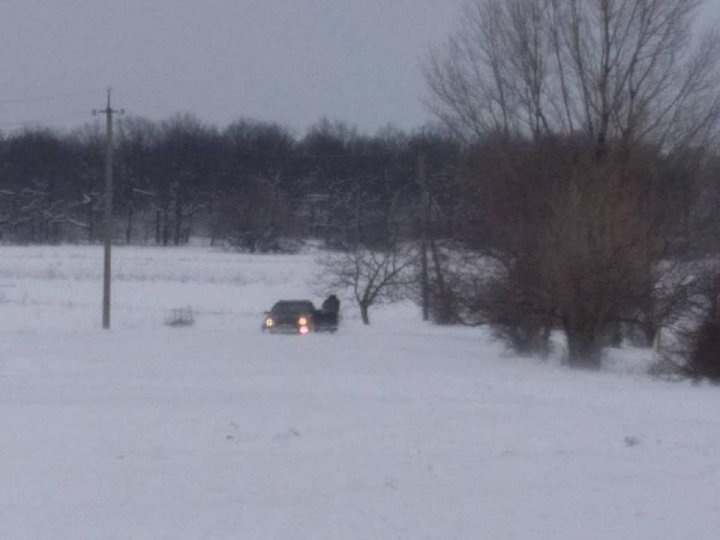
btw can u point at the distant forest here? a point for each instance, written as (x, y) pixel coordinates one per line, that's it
(252, 186)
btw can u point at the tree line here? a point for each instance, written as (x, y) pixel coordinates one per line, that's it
(250, 185)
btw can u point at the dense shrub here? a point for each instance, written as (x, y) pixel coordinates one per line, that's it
(704, 360)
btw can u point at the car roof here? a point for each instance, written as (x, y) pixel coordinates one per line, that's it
(293, 305)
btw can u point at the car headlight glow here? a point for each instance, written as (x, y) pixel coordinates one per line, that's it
(302, 321)
(269, 322)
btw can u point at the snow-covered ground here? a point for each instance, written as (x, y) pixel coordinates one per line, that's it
(397, 431)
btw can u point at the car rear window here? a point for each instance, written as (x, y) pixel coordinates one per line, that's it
(293, 307)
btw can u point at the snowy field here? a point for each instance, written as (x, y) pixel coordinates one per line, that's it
(397, 431)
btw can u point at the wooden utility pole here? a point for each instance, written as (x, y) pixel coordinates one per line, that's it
(108, 228)
(424, 225)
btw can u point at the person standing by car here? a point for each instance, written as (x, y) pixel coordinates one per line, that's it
(331, 304)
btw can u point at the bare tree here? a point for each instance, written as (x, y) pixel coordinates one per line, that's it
(252, 215)
(372, 276)
(596, 262)
(578, 105)
(627, 70)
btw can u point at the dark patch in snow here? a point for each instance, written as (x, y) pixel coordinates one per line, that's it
(291, 433)
(631, 441)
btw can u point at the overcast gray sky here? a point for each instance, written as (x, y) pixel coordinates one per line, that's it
(290, 61)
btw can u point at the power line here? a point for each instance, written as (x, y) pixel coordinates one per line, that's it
(48, 120)
(41, 122)
(54, 97)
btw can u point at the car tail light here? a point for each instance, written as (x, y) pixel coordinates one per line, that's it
(304, 330)
(302, 321)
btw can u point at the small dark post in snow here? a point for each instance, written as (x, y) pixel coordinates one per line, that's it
(109, 112)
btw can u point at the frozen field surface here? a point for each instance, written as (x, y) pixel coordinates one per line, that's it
(397, 431)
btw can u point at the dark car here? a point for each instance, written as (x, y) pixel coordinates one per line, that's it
(299, 317)
(290, 317)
